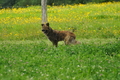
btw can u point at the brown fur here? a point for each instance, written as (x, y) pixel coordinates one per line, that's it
(55, 36)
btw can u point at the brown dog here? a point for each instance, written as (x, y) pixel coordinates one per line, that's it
(55, 36)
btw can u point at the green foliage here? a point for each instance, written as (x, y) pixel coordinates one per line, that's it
(21, 3)
(28, 2)
(37, 60)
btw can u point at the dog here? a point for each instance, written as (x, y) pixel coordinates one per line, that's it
(55, 36)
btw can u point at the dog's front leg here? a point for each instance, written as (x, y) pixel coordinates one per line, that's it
(55, 43)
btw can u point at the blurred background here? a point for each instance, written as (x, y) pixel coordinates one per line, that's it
(25, 3)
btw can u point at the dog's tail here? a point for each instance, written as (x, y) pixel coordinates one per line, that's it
(77, 42)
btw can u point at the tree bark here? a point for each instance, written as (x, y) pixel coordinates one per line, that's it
(44, 11)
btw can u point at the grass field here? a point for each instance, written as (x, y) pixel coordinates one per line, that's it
(36, 60)
(26, 54)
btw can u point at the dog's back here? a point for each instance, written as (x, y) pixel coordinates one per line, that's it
(60, 35)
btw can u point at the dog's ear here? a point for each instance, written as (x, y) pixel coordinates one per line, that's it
(47, 24)
(42, 24)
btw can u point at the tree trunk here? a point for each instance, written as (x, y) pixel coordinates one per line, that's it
(44, 11)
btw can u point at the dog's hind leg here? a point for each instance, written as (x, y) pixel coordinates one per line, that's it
(71, 40)
(66, 40)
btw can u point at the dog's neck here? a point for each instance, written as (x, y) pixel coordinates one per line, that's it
(50, 31)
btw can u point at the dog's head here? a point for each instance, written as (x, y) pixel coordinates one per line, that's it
(46, 28)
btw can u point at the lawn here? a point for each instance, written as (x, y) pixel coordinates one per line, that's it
(26, 53)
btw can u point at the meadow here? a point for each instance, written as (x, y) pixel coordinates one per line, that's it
(26, 53)
(87, 21)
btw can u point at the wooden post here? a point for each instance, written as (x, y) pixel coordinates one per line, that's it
(44, 11)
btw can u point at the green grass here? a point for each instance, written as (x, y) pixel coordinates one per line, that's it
(36, 60)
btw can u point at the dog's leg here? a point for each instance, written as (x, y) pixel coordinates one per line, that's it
(55, 43)
(66, 40)
(71, 40)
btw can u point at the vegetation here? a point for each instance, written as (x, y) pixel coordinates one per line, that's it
(36, 60)
(26, 54)
(23, 3)
(86, 21)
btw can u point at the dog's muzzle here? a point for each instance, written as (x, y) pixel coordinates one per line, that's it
(45, 31)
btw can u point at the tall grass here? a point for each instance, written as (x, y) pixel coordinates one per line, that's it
(87, 21)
